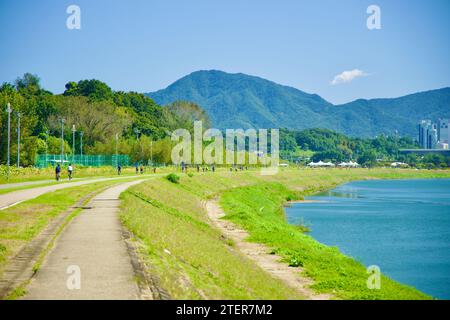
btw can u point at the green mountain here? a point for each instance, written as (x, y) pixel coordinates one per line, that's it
(243, 101)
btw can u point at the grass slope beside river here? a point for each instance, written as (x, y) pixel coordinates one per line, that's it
(193, 260)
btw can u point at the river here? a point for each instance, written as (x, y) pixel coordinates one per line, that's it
(402, 226)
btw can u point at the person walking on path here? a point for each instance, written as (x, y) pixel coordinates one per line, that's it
(58, 172)
(142, 169)
(69, 171)
(137, 167)
(119, 169)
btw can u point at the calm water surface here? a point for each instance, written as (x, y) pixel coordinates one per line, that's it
(403, 226)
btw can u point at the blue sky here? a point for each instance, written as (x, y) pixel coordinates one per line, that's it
(146, 45)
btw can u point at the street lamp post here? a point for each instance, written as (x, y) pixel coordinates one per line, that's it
(117, 150)
(81, 146)
(151, 151)
(73, 142)
(62, 139)
(47, 132)
(18, 139)
(9, 110)
(136, 130)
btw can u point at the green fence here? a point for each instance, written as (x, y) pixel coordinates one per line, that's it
(89, 160)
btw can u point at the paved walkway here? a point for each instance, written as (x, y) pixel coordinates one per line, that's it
(37, 182)
(15, 197)
(93, 243)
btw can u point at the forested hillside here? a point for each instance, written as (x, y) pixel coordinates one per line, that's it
(94, 109)
(243, 101)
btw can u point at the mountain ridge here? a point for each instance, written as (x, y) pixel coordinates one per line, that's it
(238, 100)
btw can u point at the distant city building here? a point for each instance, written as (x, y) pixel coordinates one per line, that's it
(443, 128)
(428, 134)
(434, 136)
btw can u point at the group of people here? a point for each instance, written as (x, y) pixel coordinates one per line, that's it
(184, 168)
(136, 165)
(58, 171)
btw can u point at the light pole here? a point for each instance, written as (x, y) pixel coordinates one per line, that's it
(73, 142)
(18, 139)
(136, 130)
(81, 146)
(117, 150)
(9, 110)
(62, 139)
(151, 151)
(47, 132)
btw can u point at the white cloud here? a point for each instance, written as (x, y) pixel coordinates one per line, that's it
(348, 76)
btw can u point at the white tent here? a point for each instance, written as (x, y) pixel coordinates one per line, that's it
(321, 164)
(349, 164)
(399, 164)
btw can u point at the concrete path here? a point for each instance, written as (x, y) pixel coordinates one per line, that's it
(15, 197)
(90, 253)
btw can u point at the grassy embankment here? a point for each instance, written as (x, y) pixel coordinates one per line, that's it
(194, 261)
(22, 223)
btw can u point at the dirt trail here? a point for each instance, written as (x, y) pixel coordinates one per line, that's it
(260, 254)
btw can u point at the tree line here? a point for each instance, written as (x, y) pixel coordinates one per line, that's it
(143, 127)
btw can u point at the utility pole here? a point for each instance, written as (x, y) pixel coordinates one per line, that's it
(73, 142)
(9, 110)
(62, 139)
(18, 139)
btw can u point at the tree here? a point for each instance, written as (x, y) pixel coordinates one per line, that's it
(368, 158)
(187, 112)
(93, 89)
(28, 82)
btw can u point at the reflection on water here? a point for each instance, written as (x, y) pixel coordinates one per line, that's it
(340, 194)
(403, 226)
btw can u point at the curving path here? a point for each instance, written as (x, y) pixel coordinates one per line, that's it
(15, 197)
(91, 247)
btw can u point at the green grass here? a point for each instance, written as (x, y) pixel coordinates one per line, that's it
(22, 223)
(194, 262)
(259, 210)
(191, 259)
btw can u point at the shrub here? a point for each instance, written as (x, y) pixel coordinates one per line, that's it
(172, 177)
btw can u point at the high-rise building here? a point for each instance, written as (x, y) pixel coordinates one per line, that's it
(443, 128)
(428, 134)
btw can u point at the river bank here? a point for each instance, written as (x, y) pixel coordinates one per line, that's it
(193, 260)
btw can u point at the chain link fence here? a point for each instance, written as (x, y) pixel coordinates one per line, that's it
(89, 160)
